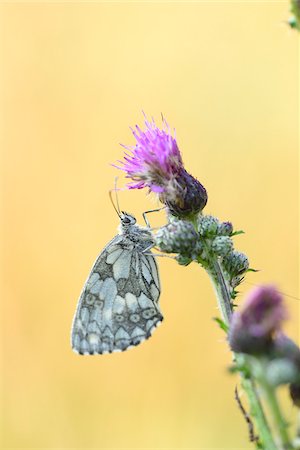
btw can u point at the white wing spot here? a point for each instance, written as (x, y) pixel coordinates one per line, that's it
(146, 273)
(113, 256)
(93, 339)
(122, 334)
(121, 267)
(93, 327)
(76, 341)
(95, 289)
(79, 325)
(84, 315)
(144, 301)
(138, 332)
(154, 292)
(154, 270)
(93, 278)
(84, 347)
(131, 302)
(108, 291)
(119, 305)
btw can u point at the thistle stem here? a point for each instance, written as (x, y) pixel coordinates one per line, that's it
(280, 425)
(222, 293)
(224, 302)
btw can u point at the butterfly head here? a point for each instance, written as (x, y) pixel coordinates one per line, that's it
(127, 220)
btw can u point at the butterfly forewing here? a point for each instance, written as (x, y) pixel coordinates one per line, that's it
(118, 306)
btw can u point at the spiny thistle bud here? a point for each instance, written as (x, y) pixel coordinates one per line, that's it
(155, 162)
(222, 245)
(225, 229)
(253, 326)
(177, 237)
(208, 226)
(295, 393)
(281, 371)
(235, 263)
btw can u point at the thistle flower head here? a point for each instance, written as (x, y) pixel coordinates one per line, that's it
(155, 162)
(253, 327)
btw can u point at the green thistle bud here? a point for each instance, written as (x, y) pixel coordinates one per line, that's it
(222, 245)
(208, 226)
(225, 229)
(281, 371)
(177, 237)
(183, 260)
(235, 263)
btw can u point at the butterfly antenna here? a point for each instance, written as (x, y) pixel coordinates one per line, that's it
(116, 208)
(117, 198)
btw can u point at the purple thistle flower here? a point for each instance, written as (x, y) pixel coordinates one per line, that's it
(253, 327)
(155, 162)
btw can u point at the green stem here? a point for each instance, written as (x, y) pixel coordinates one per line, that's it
(257, 414)
(225, 306)
(222, 293)
(280, 424)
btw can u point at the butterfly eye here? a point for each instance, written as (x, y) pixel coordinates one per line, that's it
(127, 219)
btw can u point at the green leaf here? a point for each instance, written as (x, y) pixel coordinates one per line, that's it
(234, 295)
(252, 270)
(221, 324)
(233, 369)
(235, 233)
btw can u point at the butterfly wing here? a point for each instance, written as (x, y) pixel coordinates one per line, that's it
(118, 307)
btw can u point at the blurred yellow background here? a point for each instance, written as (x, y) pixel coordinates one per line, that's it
(75, 77)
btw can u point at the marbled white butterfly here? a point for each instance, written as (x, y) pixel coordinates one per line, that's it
(118, 307)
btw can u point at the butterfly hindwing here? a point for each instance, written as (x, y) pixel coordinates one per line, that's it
(118, 307)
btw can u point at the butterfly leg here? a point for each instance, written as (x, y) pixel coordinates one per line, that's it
(151, 211)
(156, 254)
(163, 255)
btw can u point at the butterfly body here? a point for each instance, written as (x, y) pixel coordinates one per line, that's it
(118, 307)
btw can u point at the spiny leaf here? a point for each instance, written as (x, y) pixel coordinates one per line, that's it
(235, 233)
(221, 324)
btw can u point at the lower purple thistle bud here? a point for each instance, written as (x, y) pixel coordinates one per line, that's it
(253, 327)
(155, 162)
